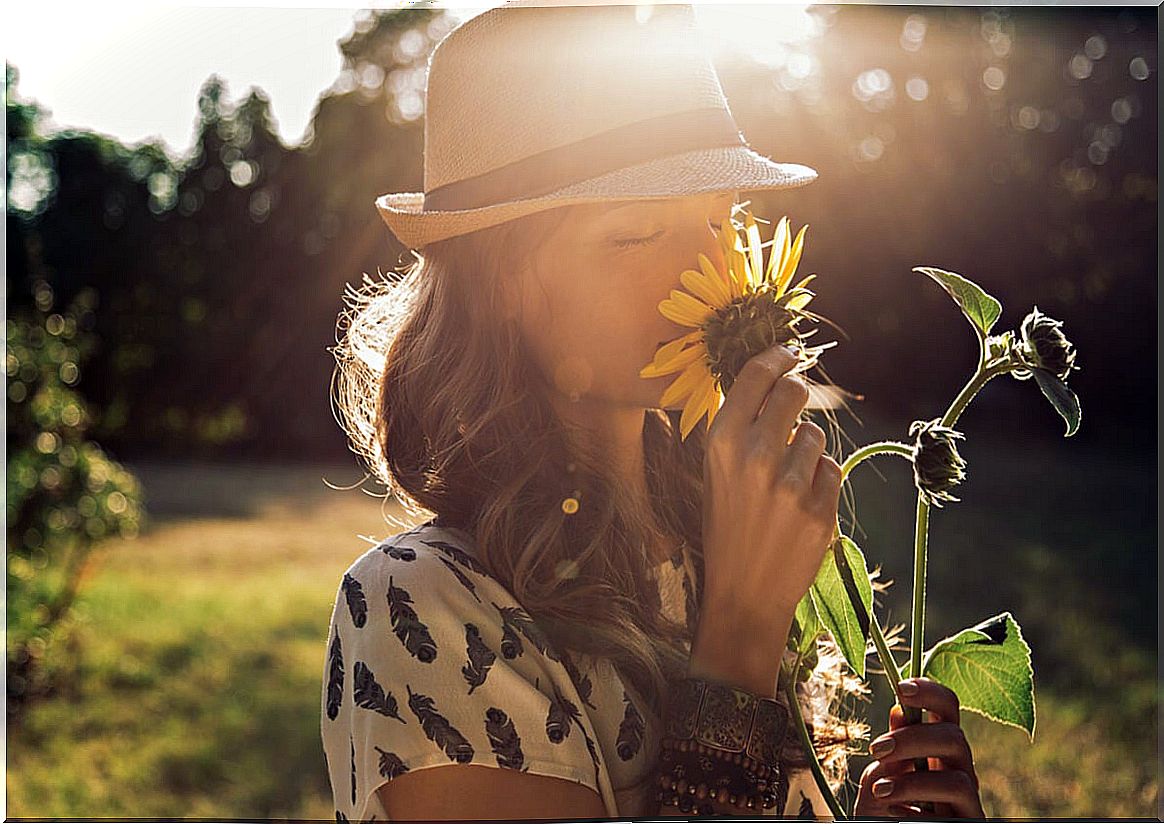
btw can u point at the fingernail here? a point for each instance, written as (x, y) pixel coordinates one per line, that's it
(882, 747)
(882, 787)
(908, 687)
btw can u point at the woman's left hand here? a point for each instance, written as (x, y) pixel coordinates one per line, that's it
(950, 783)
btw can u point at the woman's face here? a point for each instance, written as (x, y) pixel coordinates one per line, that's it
(589, 297)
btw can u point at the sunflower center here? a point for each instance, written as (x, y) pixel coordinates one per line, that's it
(744, 328)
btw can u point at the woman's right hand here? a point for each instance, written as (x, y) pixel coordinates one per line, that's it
(769, 508)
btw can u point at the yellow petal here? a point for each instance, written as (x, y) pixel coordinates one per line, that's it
(684, 309)
(799, 302)
(718, 280)
(779, 241)
(714, 406)
(695, 406)
(754, 250)
(680, 361)
(788, 266)
(681, 387)
(702, 288)
(669, 350)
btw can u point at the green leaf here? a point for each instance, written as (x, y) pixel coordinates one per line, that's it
(1061, 397)
(989, 667)
(980, 309)
(808, 623)
(843, 579)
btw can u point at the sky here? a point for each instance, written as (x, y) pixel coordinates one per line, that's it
(134, 71)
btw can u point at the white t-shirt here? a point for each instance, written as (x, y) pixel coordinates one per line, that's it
(431, 662)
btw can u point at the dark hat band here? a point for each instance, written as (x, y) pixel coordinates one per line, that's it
(593, 156)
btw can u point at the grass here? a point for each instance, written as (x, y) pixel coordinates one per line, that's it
(191, 685)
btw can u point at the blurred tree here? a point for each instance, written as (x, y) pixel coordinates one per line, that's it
(63, 493)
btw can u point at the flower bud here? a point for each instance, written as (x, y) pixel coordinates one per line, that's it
(937, 466)
(1045, 347)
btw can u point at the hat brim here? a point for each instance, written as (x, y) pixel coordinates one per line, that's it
(697, 172)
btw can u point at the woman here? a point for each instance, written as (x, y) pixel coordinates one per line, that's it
(594, 619)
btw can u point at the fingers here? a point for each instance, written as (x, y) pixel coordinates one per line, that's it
(943, 740)
(751, 386)
(940, 700)
(803, 453)
(952, 787)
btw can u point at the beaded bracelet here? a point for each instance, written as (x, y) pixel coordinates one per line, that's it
(723, 743)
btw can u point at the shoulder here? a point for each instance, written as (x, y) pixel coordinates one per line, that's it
(430, 559)
(419, 583)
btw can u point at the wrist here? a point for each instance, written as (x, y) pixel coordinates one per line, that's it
(740, 650)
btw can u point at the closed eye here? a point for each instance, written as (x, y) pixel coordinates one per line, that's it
(624, 243)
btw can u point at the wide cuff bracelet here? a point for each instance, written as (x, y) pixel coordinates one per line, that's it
(727, 718)
(723, 743)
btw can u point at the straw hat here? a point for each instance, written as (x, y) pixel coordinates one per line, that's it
(533, 107)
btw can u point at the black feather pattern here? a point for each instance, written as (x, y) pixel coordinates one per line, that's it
(481, 658)
(357, 603)
(370, 695)
(399, 552)
(503, 738)
(581, 681)
(511, 645)
(459, 555)
(353, 743)
(465, 582)
(438, 729)
(408, 628)
(335, 677)
(630, 731)
(390, 763)
(562, 712)
(520, 620)
(805, 811)
(340, 818)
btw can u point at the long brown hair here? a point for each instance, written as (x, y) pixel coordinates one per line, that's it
(444, 404)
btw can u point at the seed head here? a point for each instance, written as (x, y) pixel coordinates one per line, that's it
(1044, 346)
(937, 466)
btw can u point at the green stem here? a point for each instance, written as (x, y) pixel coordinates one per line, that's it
(807, 743)
(879, 448)
(892, 674)
(982, 376)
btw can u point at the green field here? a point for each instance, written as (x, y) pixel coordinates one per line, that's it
(191, 687)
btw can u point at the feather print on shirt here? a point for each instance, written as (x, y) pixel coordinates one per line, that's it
(390, 763)
(805, 808)
(335, 677)
(438, 729)
(459, 555)
(465, 582)
(481, 658)
(503, 739)
(357, 604)
(630, 731)
(370, 695)
(580, 681)
(353, 743)
(408, 628)
(516, 618)
(564, 712)
(400, 553)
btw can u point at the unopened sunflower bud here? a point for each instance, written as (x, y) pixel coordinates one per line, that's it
(937, 466)
(1044, 346)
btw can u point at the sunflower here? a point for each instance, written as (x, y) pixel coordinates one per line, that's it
(736, 313)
